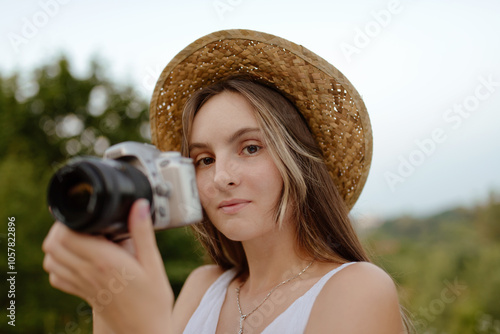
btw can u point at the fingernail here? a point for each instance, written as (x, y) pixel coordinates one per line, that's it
(143, 209)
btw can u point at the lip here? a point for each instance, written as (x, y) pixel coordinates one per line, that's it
(233, 206)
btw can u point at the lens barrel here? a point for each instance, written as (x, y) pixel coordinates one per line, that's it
(94, 196)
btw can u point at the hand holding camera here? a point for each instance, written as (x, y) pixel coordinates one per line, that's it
(111, 277)
(95, 195)
(102, 197)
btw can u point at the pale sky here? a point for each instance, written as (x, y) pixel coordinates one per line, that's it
(428, 72)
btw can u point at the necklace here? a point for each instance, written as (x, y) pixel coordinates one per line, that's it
(244, 316)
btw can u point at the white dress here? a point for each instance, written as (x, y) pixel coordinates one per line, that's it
(292, 321)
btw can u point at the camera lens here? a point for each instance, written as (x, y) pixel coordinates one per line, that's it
(76, 188)
(78, 196)
(94, 196)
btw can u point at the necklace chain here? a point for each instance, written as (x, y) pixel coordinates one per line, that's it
(244, 316)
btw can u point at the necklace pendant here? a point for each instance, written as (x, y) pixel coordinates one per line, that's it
(242, 318)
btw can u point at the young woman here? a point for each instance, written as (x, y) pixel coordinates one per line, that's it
(282, 146)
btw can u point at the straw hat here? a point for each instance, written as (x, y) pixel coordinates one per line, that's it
(332, 107)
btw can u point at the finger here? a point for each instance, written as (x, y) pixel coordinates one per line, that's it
(50, 236)
(60, 276)
(71, 266)
(60, 234)
(128, 245)
(143, 235)
(67, 264)
(50, 265)
(64, 285)
(88, 247)
(90, 260)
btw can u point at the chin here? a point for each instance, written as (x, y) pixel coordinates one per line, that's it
(237, 229)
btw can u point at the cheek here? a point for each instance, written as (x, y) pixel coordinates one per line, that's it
(206, 188)
(270, 180)
(276, 186)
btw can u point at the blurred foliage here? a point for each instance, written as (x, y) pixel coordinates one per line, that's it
(45, 119)
(447, 267)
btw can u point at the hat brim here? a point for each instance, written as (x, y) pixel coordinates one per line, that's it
(334, 110)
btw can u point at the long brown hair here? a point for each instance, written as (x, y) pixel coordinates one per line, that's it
(323, 229)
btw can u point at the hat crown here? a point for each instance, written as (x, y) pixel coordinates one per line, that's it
(334, 110)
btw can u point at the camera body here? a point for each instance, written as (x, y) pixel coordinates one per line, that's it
(95, 195)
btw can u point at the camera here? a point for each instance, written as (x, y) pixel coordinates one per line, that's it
(94, 195)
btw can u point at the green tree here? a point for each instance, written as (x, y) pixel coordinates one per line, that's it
(45, 119)
(488, 220)
(446, 267)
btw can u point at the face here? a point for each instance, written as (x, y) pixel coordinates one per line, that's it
(238, 182)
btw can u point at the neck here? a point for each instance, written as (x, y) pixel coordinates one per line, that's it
(272, 259)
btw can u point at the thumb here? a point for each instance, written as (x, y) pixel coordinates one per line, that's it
(142, 234)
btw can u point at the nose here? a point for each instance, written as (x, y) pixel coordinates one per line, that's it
(226, 174)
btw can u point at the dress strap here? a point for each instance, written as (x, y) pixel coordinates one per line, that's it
(205, 317)
(319, 285)
(294, 319)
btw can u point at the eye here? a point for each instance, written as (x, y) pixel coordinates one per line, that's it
(205, 161)
(251, 149)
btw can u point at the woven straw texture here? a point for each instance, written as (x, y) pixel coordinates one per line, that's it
(332, 107)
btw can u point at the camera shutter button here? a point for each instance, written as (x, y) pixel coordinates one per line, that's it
(162, 212)
(162, 190)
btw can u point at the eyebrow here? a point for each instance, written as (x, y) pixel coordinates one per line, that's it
(232, 138)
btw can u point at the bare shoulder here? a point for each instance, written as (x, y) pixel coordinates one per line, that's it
(365, 275)
(192, 292)
(361, 298)
(202, 277)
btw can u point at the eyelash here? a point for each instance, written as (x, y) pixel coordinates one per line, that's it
(199, 161)
(253, 145)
